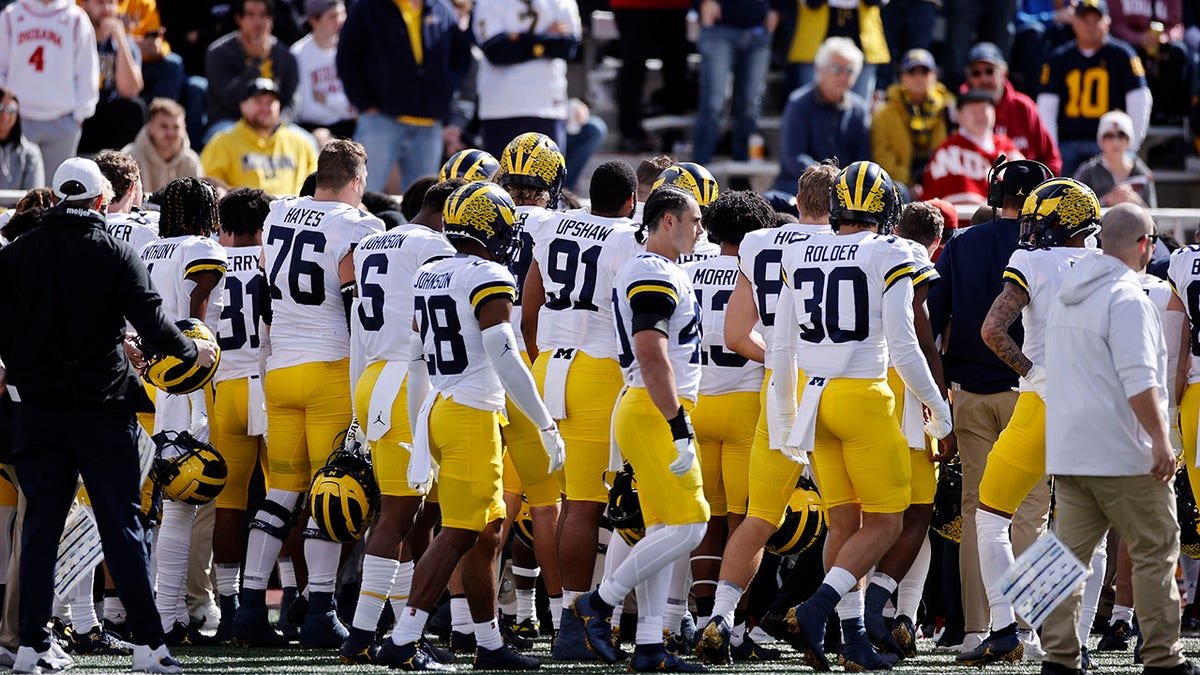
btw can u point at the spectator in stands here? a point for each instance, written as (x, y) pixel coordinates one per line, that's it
(585, 134)
(913, 122)
(1155, 30)
(735, 40)
(239, 58)
(1117, 174)
(860, 22)
(119, 112)
(958, 170)
(1084, 78)
(400, 62)
(522, 79)
(650, 28)
(20, 160)
(825, 119)
(1039, 27)
(54, 74)
(970, 21)
(323, 102)
(1016, 114)
(162, 149)
(259, 151)
(162, 69)
(906, 25)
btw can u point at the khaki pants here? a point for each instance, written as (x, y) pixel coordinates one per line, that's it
(12, 592)
(1142, 510)
(200, 582)
(978, 421)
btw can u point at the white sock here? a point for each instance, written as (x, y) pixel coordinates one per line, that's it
(850, 606)
(61, 609)
(410, 625)
(737, 635)
(114, 609)
(262, 549)
(526, 597)
(82, 604)
(1119, 613)
(556, 605)
(174, 543)
(725, 601)
(401, 587)
(287, 572)
(322, 558)
(841, 580)
(677, 594)
(912, 586)
(378, 576)
(460, 615)
(568, 597)
(995, 557)
(884, 581)
(487, 635)
(1091, 591)
(655, 552)
(652, 593)
(229, 579)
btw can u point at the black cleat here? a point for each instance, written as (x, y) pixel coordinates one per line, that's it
(504, 658)
(357, 651)
(750, 650)
(676, 643)
(808, 632)
(1000, 645)
(713, 645)
(905, 635)
(661, 661)
(462, 643)
(252, 628)
(409, 656)
(1116, 639)
(444, 656)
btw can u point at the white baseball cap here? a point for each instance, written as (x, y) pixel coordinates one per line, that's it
(78, 178)
(1114, 121)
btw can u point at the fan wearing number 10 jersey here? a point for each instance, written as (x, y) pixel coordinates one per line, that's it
(845, 309)
(307, 244)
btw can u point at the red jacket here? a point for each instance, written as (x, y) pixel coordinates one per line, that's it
(958, 169)
(1017, 117)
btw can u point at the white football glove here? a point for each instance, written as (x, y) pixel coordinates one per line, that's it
(556, 450)
(940, 423)
(685, 445)
(1036, 380)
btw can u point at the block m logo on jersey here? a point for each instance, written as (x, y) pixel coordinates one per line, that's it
(564, 353)
(817, 382)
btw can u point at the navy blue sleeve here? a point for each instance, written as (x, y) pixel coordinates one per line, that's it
(941, 291)
(353, 43)
(503, 50)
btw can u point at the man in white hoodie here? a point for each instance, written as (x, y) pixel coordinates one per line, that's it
(48, 60)
(1106, 436)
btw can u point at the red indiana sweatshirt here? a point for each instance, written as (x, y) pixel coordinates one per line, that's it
(958, 169)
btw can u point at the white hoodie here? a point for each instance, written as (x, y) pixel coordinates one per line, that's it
(1104, 344)
(48, 59)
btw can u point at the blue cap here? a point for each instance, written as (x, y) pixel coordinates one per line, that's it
(1084, 6)
(986, 52)
(917, 58)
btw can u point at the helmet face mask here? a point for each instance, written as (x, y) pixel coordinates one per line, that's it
(534, 160)
(187, 469)
(1057, 211)
(485, 214)
(864, 193)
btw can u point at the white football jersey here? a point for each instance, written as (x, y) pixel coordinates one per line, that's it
(304, 240)
(759, 257)
(578, 255)
(838, 282)
(704, 250)
(170, 261)
(528, 218)
(384, 265)
(238, 331)
(723, 370)
(1039, 272)
(1184, 275)
(136, 229)
(923, 270)
(447, 293)
(652, 273)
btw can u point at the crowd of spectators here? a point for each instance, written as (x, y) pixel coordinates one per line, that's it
(246, 92)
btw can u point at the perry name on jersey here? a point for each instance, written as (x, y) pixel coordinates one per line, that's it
(447, 296)
(669, 286)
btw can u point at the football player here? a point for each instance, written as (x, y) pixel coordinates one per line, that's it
(727, 409)
(463, 359)
(846, 306)
(749, 328)
(694, 178)
(1056, 221)
(125, 218)
(384, 267)
(566, 308)
(239, 412)
(310, 287)
(658, 329)
(187, 267)
(903, 568)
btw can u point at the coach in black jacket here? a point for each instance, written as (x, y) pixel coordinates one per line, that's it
(66, 289)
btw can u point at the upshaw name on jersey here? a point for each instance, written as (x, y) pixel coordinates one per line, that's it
(584, 229)
(269, 165)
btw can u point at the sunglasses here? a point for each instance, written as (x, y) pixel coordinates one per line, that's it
(1153, 238)
(1118, 134)
(10, 108)
(981, 72)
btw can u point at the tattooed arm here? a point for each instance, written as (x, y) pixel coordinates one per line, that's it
(1000, 317)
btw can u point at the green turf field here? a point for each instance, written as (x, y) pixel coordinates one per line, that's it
(295, 661)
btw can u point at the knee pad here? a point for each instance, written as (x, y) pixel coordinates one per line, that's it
(281, 506)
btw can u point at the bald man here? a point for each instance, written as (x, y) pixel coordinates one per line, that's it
(1107, 439)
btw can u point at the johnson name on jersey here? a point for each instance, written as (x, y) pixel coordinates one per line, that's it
(722, 371)
(1039, 272)
(384, 265)
(759, 259)
(447, 296)
(578, 255)
(669, 285)
(238, 331)
(170, 261)
(304, 241)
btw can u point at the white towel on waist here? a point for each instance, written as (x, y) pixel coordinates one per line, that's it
(420, 463)
(383, 398)
(555, 387)
(256, 407)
